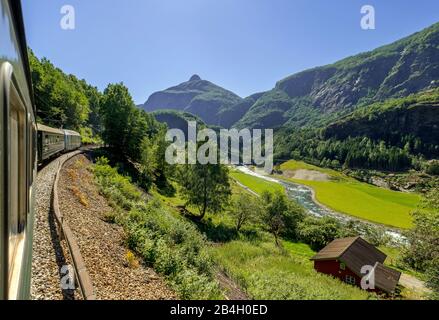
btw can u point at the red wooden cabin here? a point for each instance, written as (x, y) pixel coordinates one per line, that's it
(345, 258)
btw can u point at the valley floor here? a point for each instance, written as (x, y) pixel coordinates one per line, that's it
(343, 194)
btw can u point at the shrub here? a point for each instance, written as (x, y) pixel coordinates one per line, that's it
(191, 285)
(131, 260)
(433, 168)
(281, 215)
(319, 232)
(433, 279)
(245, 209)
(172, 245)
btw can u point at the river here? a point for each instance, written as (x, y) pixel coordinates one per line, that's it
(303, 195)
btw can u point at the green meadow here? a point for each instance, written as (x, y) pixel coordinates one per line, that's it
(349, 196)
(255, 184)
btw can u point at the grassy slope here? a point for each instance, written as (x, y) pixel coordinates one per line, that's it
(346, 195)
(268, 273)
(263, 270)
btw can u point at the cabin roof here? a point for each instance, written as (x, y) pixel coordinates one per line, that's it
(386, 278)
(354, 252)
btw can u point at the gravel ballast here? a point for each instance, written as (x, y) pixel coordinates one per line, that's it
(49, 252)
(116, 274)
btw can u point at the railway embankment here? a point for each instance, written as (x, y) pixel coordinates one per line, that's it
(50, 253)
(116, 273)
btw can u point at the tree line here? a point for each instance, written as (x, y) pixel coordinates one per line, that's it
(353, 152)
(64, 101)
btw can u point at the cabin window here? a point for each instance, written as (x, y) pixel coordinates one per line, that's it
(351, 280)
(342, 266)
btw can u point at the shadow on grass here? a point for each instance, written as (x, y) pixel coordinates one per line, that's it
(165, 188)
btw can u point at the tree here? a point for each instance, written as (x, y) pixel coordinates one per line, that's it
(117, 109)
(205, 186)
(245, 209)
(318, 232)
(154, 168)
(422, 252)
(148, 161)
(60, 99)
(280, 215)
(423, 239)
(433, 167)
(94, 99)
(433, 279)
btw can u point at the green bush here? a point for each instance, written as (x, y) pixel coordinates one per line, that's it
(89, 138)
(115, 186)
(172, 245)
(433, 168)
(319, 232)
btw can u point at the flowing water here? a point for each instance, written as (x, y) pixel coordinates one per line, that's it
(303, 195)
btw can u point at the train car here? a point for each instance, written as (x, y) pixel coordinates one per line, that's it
(72, 140)
(18, 155)
(51, 142)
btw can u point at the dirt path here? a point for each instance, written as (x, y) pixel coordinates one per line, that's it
(413, 284)
(231, 290)
(115, 272)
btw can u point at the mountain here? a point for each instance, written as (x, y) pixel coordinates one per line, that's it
(176, 119)
(416, 116)
(229, 116)
(323, 94)
(199, 97)
(394, 135)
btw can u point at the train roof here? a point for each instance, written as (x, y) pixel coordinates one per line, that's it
(71, 133)
(43, 128)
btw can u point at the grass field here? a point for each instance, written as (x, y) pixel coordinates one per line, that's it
(256, 184)
(257, 265)
(346, 195)
(266, 272)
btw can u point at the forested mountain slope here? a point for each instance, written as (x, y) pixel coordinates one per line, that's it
(393, 135)
(322, 94)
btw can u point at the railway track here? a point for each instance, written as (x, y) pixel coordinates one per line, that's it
(90, 240)
(51, 254)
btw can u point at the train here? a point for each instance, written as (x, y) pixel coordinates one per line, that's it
(52, 142)
(24, 144)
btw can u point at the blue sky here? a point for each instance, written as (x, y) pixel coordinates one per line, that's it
(242, 45)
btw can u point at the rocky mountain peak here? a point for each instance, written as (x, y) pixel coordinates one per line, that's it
(195, 77)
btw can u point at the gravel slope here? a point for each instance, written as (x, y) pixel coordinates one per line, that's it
(102, 244)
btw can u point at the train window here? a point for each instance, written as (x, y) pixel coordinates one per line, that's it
(17, 174)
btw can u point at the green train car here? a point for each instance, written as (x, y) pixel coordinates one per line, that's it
(51, 142)
(23, 144)
(18, 155)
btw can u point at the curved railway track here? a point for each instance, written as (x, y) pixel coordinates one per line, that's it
(51, 252)
(57, 246)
